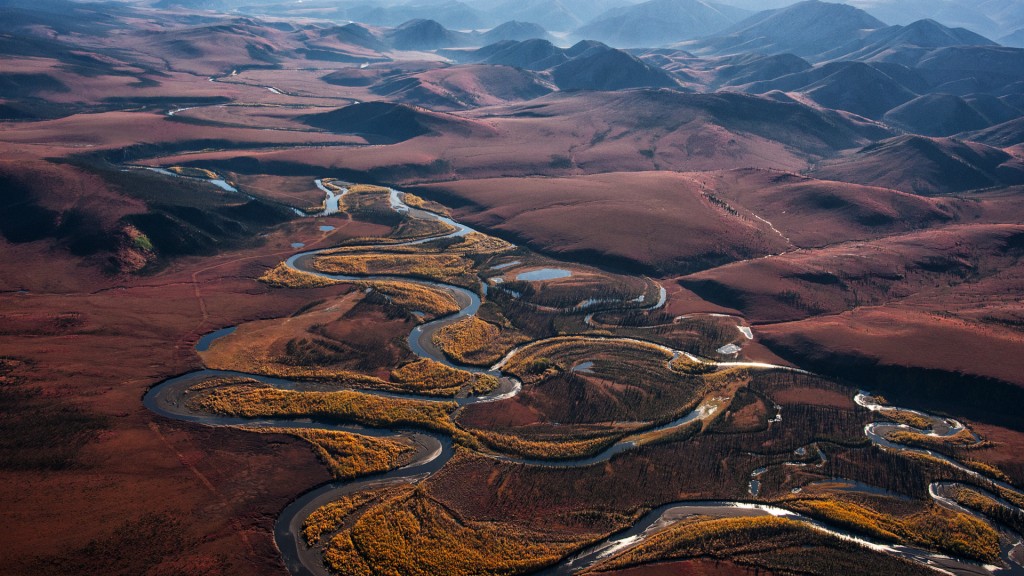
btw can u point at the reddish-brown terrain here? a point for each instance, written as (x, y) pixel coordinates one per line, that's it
(794, 205)
(87, 348)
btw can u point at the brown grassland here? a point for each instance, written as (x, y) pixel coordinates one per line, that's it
(111, 273)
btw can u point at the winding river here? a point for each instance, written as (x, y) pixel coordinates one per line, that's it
(168, 399)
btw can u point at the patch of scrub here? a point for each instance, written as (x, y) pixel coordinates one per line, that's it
(544, 274)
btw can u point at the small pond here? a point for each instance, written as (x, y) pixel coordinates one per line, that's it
(544, 274)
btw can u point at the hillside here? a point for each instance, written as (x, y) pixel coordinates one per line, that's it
(888, 43)
(927, 166)
(937, 115)
(461, 87)
(658, 22)
(603, 68)
(807, 29)
(852, 86)
(390, 122)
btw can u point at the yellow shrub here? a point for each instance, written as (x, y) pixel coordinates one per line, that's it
(904, 417)
(954, 532)
(349, 455)
(281, 276)
(429, 376)
(413, 535)
(260, 401)
(541, 449)
(332, 516)
(415, 297)
(474, 341)
(440, 267)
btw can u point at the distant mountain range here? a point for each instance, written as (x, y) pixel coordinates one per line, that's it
(629, 23)
(993, 18)
(921, 77)
(587, 65)
(420, 34)
(659, 22)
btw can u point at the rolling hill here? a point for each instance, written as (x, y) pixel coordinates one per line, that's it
(937, 115)
(852, 86)
(927, 166)
(901, 43)
(391, 122)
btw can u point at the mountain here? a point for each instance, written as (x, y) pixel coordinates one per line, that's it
(587, 65)
(937, 115)
(360, 35)
(916, 37)
(533, 54)
(422, 34)
(807, 29)
(451, 14)
(841, 211)
(989, 17)
(62, 17)
(551, 14)
(967, 69)
(994, 110)
(961, 69)
(603, 68)
(587, 132)
(750, 68)
(1015, 39)
(219, 48)
(859, 89)
(1001, 136)
(514, 30)
(659, 22)
(852, 86)
(462, 87)
(388, 122)
(927, 166)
